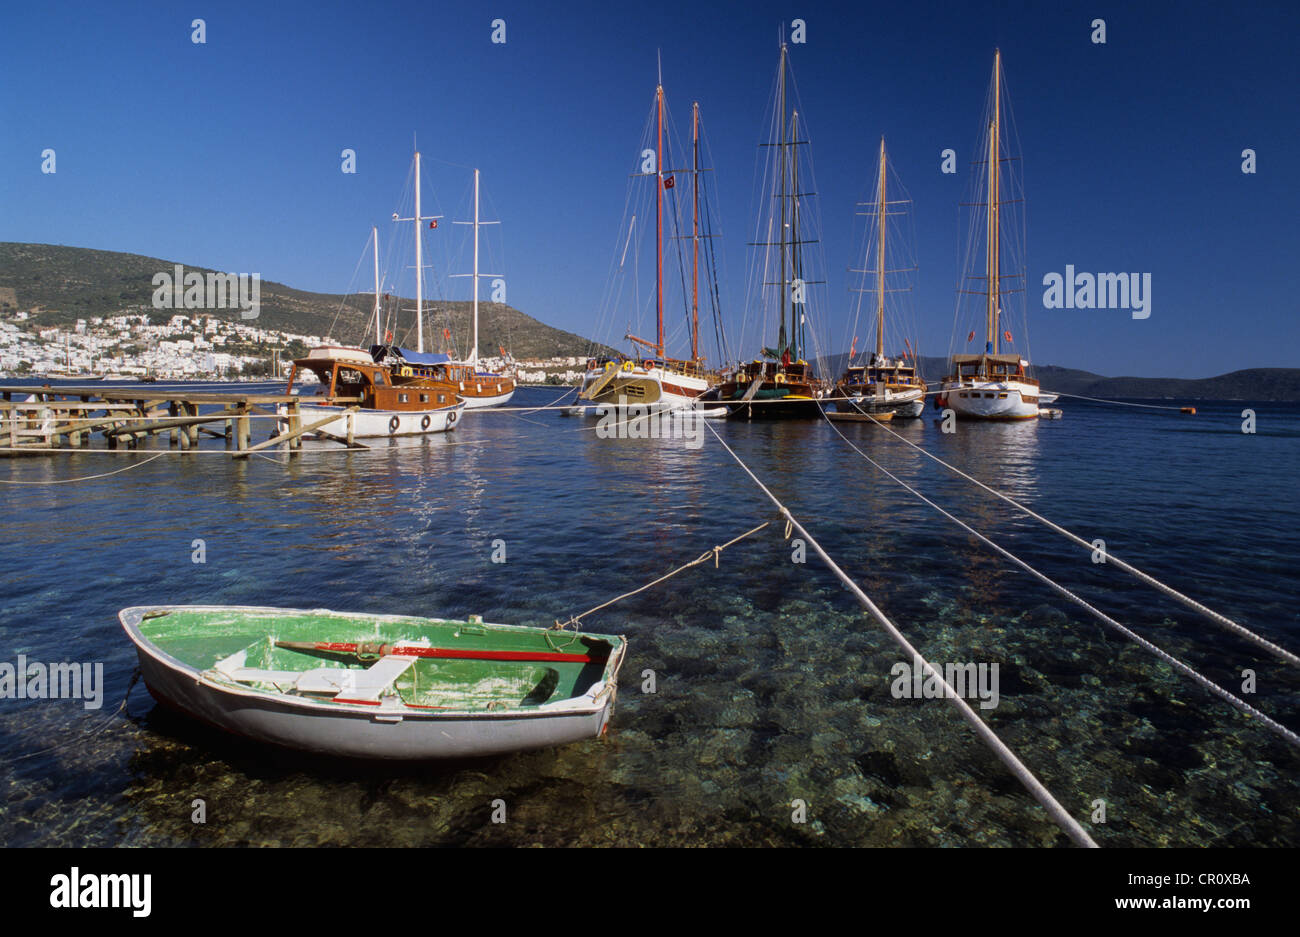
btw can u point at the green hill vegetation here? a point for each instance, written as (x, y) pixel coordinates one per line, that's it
(62, 284)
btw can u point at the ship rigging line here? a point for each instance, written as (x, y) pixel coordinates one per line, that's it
(1221, 620)
(1186, 670)
(1059, 814)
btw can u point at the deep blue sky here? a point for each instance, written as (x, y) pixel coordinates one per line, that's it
(227, 154)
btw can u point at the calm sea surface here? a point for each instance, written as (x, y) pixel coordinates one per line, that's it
(772, 684)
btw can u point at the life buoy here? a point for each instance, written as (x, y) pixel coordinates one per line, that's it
(393, 424)
(647, 364)
(627, 365)
(779, 379)
(424, 424)
(405, 372)
(451, 417)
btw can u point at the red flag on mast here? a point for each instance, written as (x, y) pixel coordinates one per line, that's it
(669, 182)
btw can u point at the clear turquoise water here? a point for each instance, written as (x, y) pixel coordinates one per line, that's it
(772, 683)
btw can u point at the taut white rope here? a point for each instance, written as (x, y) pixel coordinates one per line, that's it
(1221, 620)
(1105, 619)
(1026, 777)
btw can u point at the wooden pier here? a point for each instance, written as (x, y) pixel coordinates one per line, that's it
(49, 419)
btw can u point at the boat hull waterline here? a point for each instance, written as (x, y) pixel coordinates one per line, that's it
(375, 424)
(907, 404)
(1002, 400)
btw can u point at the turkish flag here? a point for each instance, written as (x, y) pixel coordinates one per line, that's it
(433, 224)
(669, 182)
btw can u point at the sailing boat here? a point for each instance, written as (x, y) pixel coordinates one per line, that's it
(992, 384)
(882, 385)
(780, 384)
(478, 388)
(656, 383)
(362, 388)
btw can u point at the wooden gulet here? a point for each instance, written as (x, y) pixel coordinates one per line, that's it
(477, 387)
(625, 385)
(882, 385)
(992, 385)
(780, 384)
(377, 399)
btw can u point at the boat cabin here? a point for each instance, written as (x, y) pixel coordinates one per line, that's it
(895, 372)
(990, 367)
(351, 374)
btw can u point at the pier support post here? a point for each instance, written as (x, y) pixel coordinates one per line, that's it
(192, 431)
(242, 429)
(295, 426)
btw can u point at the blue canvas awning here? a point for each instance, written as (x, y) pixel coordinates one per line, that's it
(422, 357)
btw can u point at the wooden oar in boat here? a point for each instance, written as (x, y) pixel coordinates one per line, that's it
(371, 651)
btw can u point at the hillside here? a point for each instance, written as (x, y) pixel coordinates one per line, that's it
(1258, 384)
(70, 283)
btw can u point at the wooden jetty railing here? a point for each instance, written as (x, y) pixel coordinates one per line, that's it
(58, 417)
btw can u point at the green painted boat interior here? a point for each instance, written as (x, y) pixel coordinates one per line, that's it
(200, 638)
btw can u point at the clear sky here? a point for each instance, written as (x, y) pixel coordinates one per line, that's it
(227, 154)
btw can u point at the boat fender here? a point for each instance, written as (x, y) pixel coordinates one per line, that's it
(451, 417)
(424, 424)
(392, 425)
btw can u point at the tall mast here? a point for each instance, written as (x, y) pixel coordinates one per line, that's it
(419, 264)
(796, 255)
(781, 338)
(880, 258)
(695, 232)
(374, 235)
(473, 354)
(994, 287)
(659, 221)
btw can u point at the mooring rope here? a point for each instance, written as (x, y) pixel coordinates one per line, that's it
(1059, 814)
(1185, 669)
(104, 724)
(712, 554)
(84, 478)
(1209, 613)
(1118, 403)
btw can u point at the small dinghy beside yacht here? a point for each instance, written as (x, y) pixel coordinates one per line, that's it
(377, 686)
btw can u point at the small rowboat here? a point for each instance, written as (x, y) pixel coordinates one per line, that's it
(377, 686)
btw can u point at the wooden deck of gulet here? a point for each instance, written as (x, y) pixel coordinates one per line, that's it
(67, 416)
